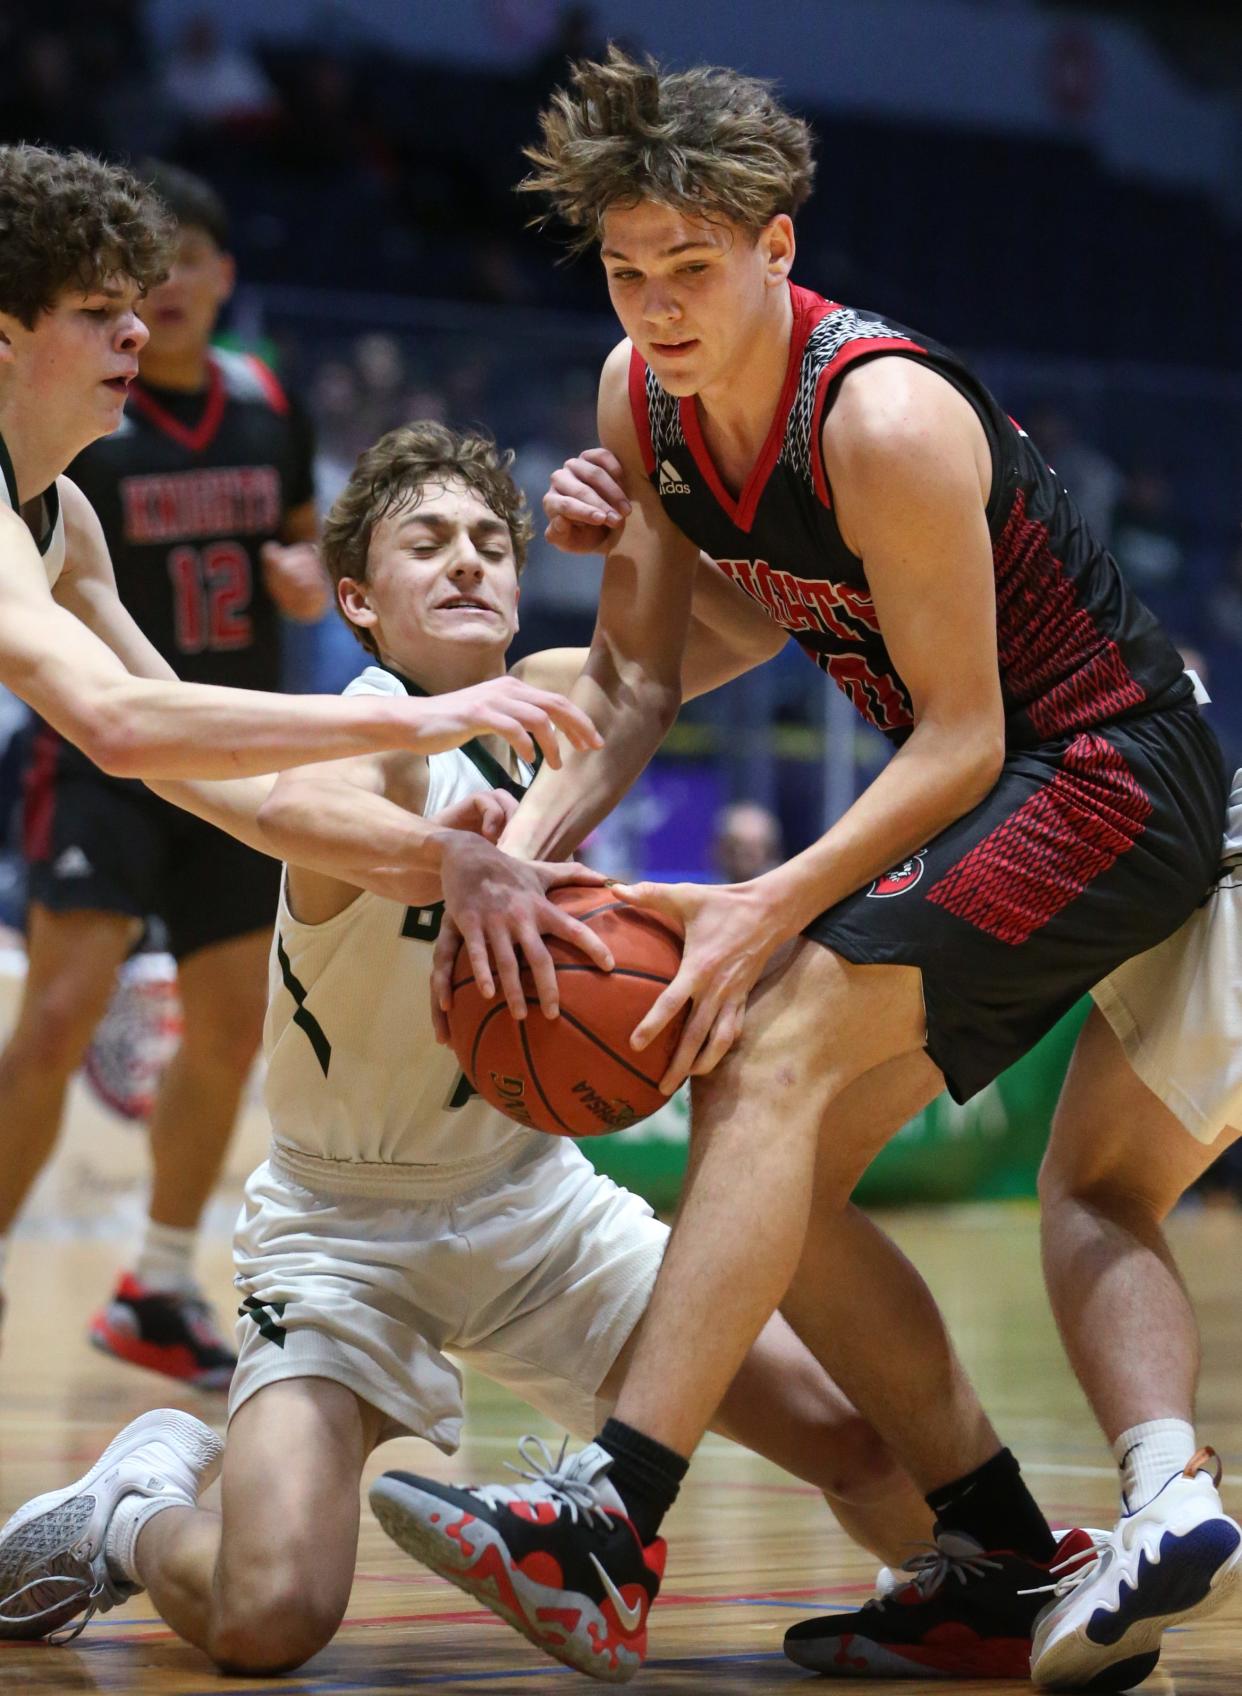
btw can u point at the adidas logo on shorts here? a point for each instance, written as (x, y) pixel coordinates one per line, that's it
(72, 863)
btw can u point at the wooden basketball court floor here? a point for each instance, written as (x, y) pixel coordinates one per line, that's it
(750, 1550)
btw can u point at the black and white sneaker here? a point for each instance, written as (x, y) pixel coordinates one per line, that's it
(555, 1557)
(965, 1612)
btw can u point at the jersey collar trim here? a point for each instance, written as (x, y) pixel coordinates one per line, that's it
(197, 438)
(51, 500)
(808, 308)
(480, 757)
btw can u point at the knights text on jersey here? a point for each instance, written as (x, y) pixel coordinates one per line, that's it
(361, 1097)
(188, 490)
(1076, 648)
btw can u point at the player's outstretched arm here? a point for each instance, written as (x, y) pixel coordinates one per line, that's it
(368, 814)
(67, 668)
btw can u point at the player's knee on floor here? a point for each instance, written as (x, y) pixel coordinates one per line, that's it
(273, 1628)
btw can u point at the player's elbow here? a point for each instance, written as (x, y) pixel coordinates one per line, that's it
(108, 736)
(278, 816)
(983, 755)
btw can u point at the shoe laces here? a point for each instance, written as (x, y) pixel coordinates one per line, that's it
(547, 1479)
(98, 1595)
(932, 1566)
(1074, 1570)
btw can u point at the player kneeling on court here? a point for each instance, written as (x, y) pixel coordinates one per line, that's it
(399, 1221)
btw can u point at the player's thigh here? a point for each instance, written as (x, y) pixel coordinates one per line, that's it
(218, 898)
(290, 1503)
(829, 1049)
(1111, 1136)
(813, 1026)
(223, 988)
(72, 961)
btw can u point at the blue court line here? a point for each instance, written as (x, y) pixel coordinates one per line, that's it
(402, 1677)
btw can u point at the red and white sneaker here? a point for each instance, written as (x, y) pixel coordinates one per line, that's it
(966, 1612)
(557, 1557)
(166, 1332)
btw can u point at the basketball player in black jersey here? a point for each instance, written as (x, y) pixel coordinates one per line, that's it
(199, 491)
(1054, 805)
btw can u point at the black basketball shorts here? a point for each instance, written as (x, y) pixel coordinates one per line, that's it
(108, 844)
(1088, 849)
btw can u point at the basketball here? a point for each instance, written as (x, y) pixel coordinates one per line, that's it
(575, 1076)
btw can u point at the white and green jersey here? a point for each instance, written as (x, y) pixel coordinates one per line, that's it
(361, 1097)
(50, 536)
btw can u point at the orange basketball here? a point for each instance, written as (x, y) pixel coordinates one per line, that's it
(575, 1076)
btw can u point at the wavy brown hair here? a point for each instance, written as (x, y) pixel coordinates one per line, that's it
(706, 141)
(392, 474)
(69, 220)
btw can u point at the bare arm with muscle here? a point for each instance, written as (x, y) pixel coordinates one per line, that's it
(67, 657)
(910, 471)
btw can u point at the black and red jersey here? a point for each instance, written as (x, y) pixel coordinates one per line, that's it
(188, 489)
(1076, 647)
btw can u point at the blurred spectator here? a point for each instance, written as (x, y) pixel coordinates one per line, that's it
(1148, 537)
(213, 83)
(1092, 479)
(747, 841)
(1226, 600)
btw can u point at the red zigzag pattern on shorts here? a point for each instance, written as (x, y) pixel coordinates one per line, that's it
(1058, 842)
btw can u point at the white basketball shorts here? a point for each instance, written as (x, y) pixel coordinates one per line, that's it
(536, 1277)
(1177, 1009)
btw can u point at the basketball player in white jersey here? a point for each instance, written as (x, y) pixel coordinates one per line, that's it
(399, 1225)
(1152, 1099)
(80, 243)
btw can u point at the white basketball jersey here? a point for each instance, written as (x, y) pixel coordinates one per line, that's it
(51, 539)
(361, 1096)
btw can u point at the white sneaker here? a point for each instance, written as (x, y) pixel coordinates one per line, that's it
(52, 1560)
(1178, 1557)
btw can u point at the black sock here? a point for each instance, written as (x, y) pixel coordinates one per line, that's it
(645, 1474)
(993, 1505)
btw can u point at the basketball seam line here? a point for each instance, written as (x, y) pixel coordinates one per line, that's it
(566, 966)
(652, 1083)
(533, 1072)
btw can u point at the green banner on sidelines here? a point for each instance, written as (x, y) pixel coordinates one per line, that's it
(990, 1147)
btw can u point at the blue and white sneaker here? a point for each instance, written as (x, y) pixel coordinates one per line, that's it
(1179, 1557)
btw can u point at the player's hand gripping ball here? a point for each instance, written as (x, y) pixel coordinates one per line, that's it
(575, 1076)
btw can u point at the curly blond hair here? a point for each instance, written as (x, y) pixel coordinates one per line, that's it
(391, 474)
(69, 220)
(706, 141)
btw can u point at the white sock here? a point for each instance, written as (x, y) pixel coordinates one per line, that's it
(129, 1516)
(166, 1262)
(1148, 1455)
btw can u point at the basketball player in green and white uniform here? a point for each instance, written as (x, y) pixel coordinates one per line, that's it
(399, 1226)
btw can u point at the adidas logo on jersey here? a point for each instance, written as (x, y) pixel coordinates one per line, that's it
(72, 863)
(671, 480)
